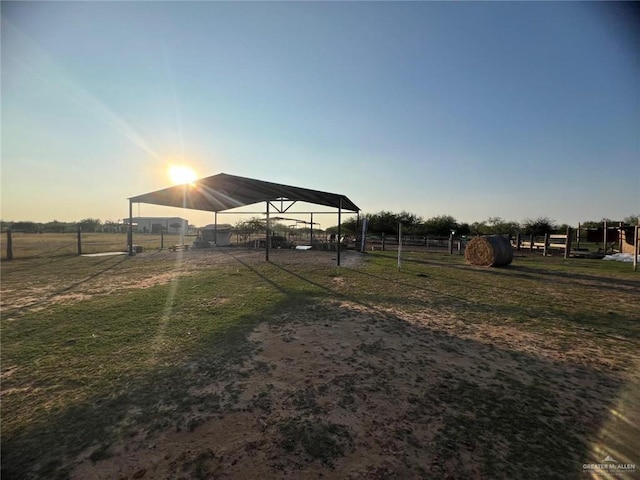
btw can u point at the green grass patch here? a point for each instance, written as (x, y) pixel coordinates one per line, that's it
(95, 371)
(593, 297)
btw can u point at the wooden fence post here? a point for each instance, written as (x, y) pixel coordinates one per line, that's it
(567, 243)
(620, 224)
(399, 246)
(546, 244)
(9, 245)
(79, 241)
(518, 242)
(451, 243)
(531, 242)
(161, 239)
(604, 237)
(383, 241)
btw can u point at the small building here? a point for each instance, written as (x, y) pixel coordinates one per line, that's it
(175, 225)
(220, 235)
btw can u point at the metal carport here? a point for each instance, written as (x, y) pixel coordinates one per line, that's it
(223, 192)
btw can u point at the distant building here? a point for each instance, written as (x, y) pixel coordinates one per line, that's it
(220, 236)
(159, 224)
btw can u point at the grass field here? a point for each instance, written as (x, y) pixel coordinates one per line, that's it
(217, 364)
(32, 245)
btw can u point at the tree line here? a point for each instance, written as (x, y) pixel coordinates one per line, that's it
(378, 223)
(443, 225)
(87, 225)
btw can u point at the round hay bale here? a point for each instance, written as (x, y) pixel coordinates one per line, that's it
(489, 251)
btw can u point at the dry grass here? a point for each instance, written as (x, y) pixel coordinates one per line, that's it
(46, 245)
(217, 364)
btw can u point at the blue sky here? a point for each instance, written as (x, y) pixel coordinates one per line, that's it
(475, 110)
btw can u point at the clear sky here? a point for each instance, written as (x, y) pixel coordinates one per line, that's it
(475, 110)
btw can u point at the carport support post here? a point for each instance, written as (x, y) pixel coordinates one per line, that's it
(130, 232)
(215, 228)
(358, 230)
(268, 240)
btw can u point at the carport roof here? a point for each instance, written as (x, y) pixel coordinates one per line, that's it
(224, 192)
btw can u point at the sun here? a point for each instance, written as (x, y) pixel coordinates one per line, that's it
(181, 174)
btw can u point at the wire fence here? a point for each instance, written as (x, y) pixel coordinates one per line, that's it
(16, 245)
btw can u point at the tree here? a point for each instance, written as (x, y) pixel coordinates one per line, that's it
(441, 225)
(479, 228)
(539, 226)
(499, 226)
(591, 224)
(56, 227)
(26, 227)
(382, 222)
(348, 227)
(89, 224)
(464, 229)
(412, 224)
(245, 228)
(278, 228)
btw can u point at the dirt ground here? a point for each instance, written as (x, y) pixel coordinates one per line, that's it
(381, 375)
(344, 390)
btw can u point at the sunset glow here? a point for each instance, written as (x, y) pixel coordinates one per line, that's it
(181, 174)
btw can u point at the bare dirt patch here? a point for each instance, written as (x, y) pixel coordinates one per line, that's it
(342, 390)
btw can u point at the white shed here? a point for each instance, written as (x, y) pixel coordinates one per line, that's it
(165, 224)
(220, 235)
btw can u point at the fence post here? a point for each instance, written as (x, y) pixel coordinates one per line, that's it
(383, 241)
(399, 245)
(578, 237)
(567, 243)
(531, 242)
(9, 245)
(79, 241)
(451, 243)
(635, 248)
(546, 243)
(161, 239)
(604, 237)
(518, 242)
(620, 236)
